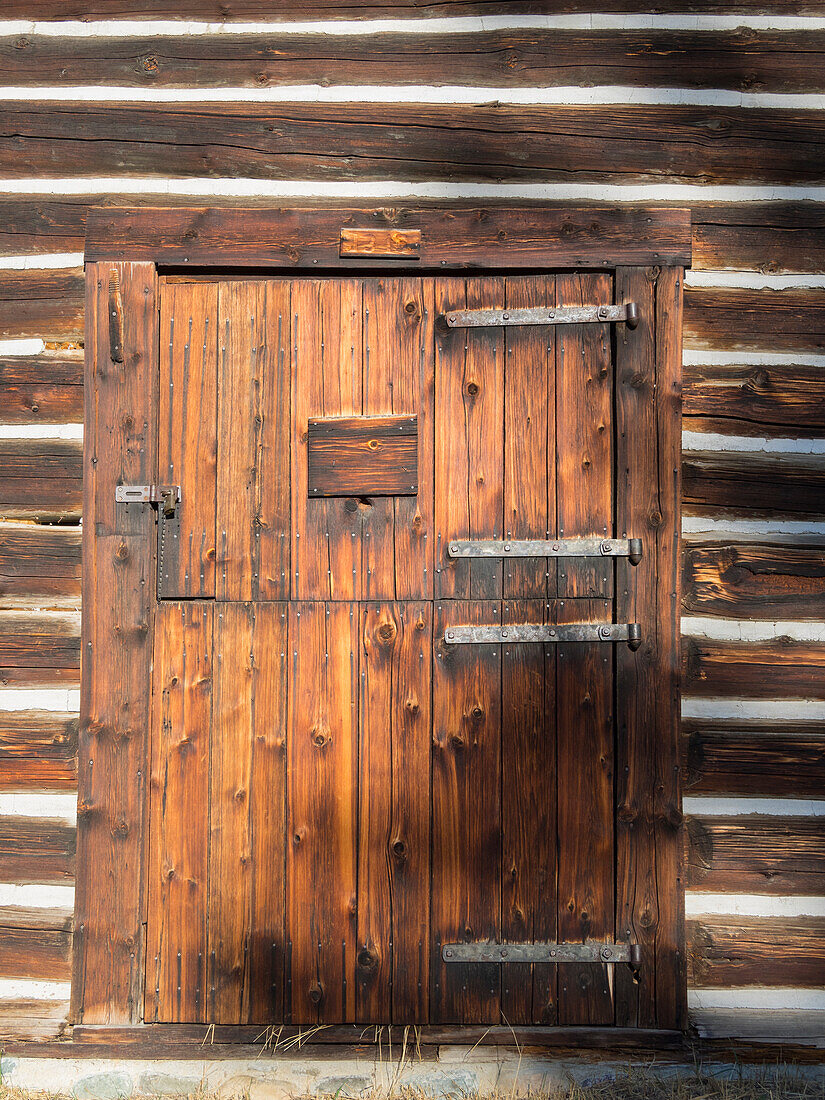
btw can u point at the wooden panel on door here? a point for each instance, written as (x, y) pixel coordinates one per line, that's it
(584, 433)
(466, 778)
(394, 813)
(398, 379)
(187, 436)
(326, 381)
(253, 510)
(322, 821)
(529, 436)
(247, 791)
(584, 717)
(469, 434)
(528, 815)
(179, 813)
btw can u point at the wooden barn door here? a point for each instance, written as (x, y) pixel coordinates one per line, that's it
(400, 716)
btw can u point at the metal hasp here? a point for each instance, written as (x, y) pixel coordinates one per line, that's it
(548, 548)
(630, 953)
(542, 315)
(167, 495)
(536, 632)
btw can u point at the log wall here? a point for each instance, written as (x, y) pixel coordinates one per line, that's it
(720, 106)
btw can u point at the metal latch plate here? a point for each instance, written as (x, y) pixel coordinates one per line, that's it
(541, 953)
(167, 495)
(536, 632)
(547, 548)
(542, 315)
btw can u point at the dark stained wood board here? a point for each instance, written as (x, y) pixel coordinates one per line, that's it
(756, 400)
(39, 647)
(39, 565)
(748, 483)
(779, 668)
(41, 389)
(741, 580)
(756, 951)
(45, 304)
(737, 757)
(41, 478)
(362, 456)
(774, 320)
(37, 850)
(756, 854)
(38, 749)
(35, 953)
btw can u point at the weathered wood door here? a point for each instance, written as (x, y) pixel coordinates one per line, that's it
(339, 789)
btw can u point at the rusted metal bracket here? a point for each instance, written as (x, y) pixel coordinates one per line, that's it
(547, 548)
(166, 495)
(630, 953)
(537, 632)
(541, 315)
(115, 317)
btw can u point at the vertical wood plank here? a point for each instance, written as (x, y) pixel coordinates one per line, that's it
(253, 506)
(466, 777)
(187, 435)
(322, 811)
(398, 379)
(584, 444)
(118, 584)
(246, 859)
(528, 815)
(649, 903)
(529, 436)
(394, 813)
(326, 381)
(584, 693)
(176, 949)
(469, 438)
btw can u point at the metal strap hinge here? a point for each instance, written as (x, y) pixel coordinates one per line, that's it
(541, 315)
(537, 632)
(547, 548)
(165, 495)
(630, 953)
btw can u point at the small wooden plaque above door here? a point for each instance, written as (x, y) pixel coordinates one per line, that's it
(363, 456)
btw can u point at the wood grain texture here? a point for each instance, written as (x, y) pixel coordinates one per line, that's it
(322, 813)
(431, 141)
(773, 320)
(38, 749)
(466, 815)
(362, 456)
(775, 400)
(392, 961)
(187, 436)
(395, 243)
(37, 850)
(253, 475)
(741, 580)
(777, 669)
(39, 647)
(179, 813)
(769, 237)
(46, 304)
(773, 61)
(118, 578)
(736, 757)
(41, 479)
(755, 854)
(41, 389)
(35, 953)
(756, 952)
(39, 566)
(246, 808)
(752, 484)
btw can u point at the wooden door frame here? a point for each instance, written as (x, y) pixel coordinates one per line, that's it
(646, 249)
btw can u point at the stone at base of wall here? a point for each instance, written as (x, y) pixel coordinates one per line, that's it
(456, 1073)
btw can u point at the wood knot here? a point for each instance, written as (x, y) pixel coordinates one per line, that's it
(316, 993)
(412, 706)
(410, 308)
(456, 742)
(386, 632)
(320, 737)
(149, 63)
(366, 960)
(399, 851)
(351, 505)
(472, 389)
(477, 713)
(654, 520)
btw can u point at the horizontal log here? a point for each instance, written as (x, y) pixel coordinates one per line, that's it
(39, 565)
(756, 854)
(350, 141)
(530, 236)
(771, 61)
(780, 668)
(773, 320)
(27, 1020)
(38, 749)
(748, 400)
(36, 850)
(742, 580)
(45, 389)
(748, 483)
(35, 953)
(41, 478)
(736, 757)
(40, 920)
(44, 645)
(768, 237)
(749, 951)
(45, 304)
(786, 1026)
